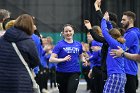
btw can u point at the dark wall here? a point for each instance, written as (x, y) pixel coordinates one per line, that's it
(116, 6)
(119, 6)
(51, 15)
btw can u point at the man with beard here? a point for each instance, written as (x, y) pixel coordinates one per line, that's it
(132, 44)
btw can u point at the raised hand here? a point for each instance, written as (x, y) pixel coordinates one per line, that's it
(87, 24)
(106, 16)
(97, 5)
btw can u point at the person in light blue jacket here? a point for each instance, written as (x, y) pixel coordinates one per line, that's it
(115, 67)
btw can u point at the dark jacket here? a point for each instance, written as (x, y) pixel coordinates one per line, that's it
(104, 49)
(101, 39)
(14, 77)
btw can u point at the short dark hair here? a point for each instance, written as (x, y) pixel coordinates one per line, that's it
(130, 14)
(113, 17)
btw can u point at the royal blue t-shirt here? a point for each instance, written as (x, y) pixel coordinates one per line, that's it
(40, 51)
(62, 49)
(96, 43)
(95, 58)
(114, 65)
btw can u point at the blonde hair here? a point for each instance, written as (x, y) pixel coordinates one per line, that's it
(49, 37)
(9, 24)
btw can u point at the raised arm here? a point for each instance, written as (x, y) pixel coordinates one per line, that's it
(111, 41)
(99, 13)
(93, 33)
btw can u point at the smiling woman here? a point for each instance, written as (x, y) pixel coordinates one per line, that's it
(67, 53)
(68, 32)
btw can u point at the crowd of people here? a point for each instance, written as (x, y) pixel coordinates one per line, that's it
(108, 60)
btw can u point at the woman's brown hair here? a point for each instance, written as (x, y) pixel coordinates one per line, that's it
(115, 33)
(25, 23)
(68, 25)
(98, 30)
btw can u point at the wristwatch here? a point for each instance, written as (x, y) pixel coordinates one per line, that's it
(123, 54)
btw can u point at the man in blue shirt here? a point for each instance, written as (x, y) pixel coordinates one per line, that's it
(132, 44)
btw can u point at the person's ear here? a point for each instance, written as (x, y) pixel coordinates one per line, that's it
(131, 20)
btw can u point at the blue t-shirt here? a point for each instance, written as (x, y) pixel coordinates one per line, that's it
(95, 58)
(139, 52)
(62, 49)
(114, 65)
(137, 31)
(132, 44)
(40, 51)
(96, 43)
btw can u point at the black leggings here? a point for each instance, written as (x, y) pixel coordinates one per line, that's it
(67, 82)
(130, 86)
(97, 80)
(42, 78)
